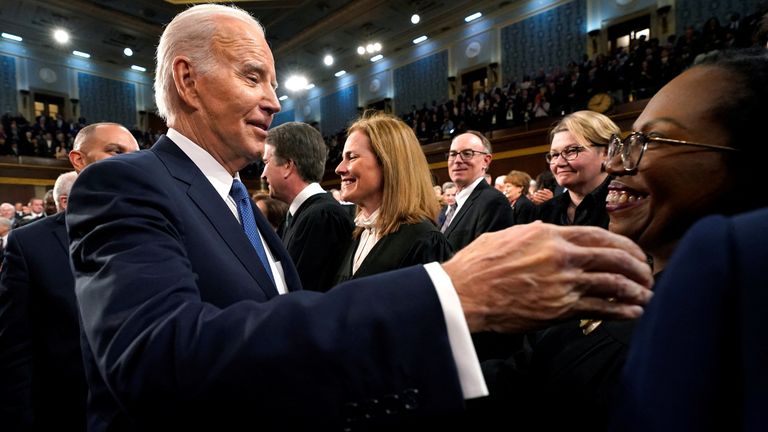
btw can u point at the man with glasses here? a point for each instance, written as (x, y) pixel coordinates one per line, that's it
(479, 208)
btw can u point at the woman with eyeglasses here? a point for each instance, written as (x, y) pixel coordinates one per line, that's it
(578, 145)
(695, 150)
(384, 171)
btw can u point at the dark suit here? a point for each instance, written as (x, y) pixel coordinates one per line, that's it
(700, 353)
(411, 244)
(185, 331)
(41, 365)
(485, 210)
(317, 239)
(523, 210)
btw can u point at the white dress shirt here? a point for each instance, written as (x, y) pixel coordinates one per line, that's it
(221, 180)
(462, 195)
(311, 190)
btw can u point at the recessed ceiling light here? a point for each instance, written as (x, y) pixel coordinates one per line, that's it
(328, 60)
(81, 54)
(376, 58)
(283, 97)
(420, 39)
(61, 36)
(473, 17)
(377, 47)
(415, 18)
(296, 82)
(309, 86)
(138, 68)
(12, 37)
(340, 73)
(361, 50)
(128, 52)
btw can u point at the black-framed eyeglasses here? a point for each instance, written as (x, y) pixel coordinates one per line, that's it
(569, 154)
(630, 150)
(465, 154)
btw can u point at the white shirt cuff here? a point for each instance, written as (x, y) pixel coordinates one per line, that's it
(463, 350)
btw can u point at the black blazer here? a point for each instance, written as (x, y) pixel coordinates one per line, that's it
(522, 211)
(317, 240)
(41, 366)
(184, 330)
(590, 212)
(419, 243)
(486, 210)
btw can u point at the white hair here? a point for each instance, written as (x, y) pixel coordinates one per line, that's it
(62, 187)
(190, 33)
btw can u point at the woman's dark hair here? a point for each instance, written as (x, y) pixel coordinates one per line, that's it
(745, 108)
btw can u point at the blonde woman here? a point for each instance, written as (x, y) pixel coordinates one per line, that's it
(384, 172)
(578, 147)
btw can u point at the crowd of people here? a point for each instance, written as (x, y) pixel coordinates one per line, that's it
(50, 136)
(165, 300)
(627, 73)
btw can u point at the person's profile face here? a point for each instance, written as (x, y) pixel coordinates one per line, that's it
(675, 184)
(237, 99)
(107, 141)
(272, 173)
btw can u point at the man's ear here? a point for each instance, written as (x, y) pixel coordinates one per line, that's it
(77, 160)
(185, 81)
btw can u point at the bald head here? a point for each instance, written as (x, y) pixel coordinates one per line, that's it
(100, 141)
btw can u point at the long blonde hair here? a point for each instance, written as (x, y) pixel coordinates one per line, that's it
(408, 196)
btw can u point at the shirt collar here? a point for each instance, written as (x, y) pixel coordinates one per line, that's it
(311, 190)
(216, 174)
(367, 222)
(467, 191)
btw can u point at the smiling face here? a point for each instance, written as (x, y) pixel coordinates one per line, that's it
(464, 172)
(362, 179)
(581, 175)
(234, 101)
(675, 184)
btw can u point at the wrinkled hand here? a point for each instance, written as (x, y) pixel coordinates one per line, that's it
(529, 276)
(541, 196)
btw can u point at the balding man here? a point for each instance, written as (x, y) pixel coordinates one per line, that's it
(479, 208)
(193, 314)
(42, 382)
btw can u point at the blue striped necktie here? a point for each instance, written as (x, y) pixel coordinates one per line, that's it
(244, 208)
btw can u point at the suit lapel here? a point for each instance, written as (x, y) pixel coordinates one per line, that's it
(465, 208)
(205, 197)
